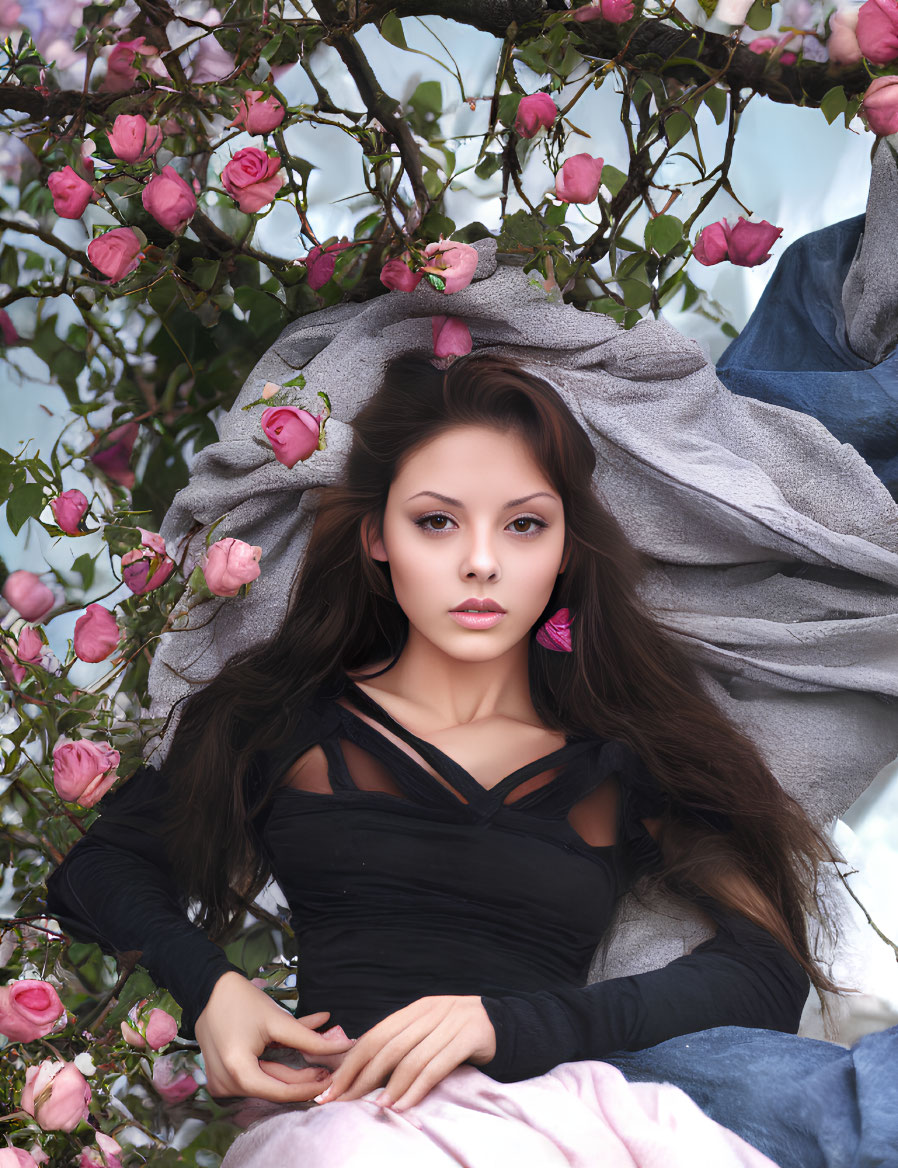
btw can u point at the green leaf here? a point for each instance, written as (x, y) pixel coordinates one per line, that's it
(523, 227)
(391, 30)
(759, 15)
(204, 273)
(471, 232)
(433, 225)
(635, 293)
(427, 99)
(554, 214)
(298, 381)
(612, 178)
(663, 233)
(677, 126)
(833, 103)
(85, 567)
(24, 503)
(728, 330)
(708, 6)
(488, 165)
(716, 101)
(436, 281)
(508, 108)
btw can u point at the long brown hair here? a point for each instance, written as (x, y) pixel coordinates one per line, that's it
(730, 831)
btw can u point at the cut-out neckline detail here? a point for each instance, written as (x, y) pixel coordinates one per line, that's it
(463, 782)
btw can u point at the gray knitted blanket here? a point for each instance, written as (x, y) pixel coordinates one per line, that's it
(775, 547)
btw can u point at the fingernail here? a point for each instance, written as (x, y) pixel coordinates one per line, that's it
(335, 1032)
(383, 1100)
(324, 1096)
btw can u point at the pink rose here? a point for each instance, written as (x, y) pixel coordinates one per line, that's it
(147, 567)
(29, 1010)
(152, 1028)
(397, 275)
(69, 509)
(229, 564)
(842, 43)
(579, 179)
(173, 1082)
(18, 671)
(451, 337)
(56, 1094)
(555, 633)
(96, 634)
(106, 1154)
(253, 178)
(455, 263)
(321, 261)
(258, 114)
(115, 253)
(70, 192)
(293, 433)
(133, 139)
(745, 244)
(121, 72)
(615, 11)
(535, 111)
(30, 646)
(114, 459)
(880, 105)
(83, 771)
(169, 199)
(28, 595)
(8, 332)
(16, 1158)
(877, 31)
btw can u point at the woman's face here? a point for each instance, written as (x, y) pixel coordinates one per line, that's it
(497, 534)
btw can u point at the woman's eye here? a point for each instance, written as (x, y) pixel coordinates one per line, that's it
(439, 522)
(523, 525)
(528, 519)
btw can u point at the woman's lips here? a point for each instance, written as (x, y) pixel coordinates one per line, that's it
(477, 620)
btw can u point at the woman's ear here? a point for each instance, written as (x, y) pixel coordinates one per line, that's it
(372, 541)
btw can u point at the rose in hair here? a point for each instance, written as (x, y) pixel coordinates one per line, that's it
(229, 564)
(83, 771)
(56, 1094)
(29, 1009)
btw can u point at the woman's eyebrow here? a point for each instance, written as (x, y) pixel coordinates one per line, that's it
(458, 502)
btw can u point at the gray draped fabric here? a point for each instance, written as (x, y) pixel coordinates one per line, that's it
(775, 546)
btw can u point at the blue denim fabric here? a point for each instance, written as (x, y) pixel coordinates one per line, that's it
(802, 1102)
(794, 351)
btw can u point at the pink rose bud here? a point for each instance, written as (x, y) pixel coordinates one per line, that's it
(711, 245)
(114, 459)
(70, 192)
(880, 106)
(321, 261)
(69, 509)
(147, 567)
(768, 44)
(293, 433)
(173, 1083)
(253, 178)
(535, 112)
(106, 1154)
(169, 199)
(750, 243)
(30, 646)
(877, 31)
(115, 253)
(455, 263)
(842, 44)
(28, 595)
(29, 1010)
(451, 337)
(96, 634)
(133, 139)
(16, 1158)
(258, 114)
(397, 275)
(153, 1028)
(121, 71)
(84, 771)
(579, 179)
(8, 332)
(229, 564)
(56, 1094)
(614, 11)
(18, 671)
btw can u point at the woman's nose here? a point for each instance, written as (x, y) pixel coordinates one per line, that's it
(481, 560)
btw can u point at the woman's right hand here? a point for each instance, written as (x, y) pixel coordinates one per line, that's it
(238, 1022)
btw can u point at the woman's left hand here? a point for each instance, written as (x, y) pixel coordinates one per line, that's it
(409, 1052)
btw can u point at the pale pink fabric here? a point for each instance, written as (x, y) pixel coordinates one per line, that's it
(579, 1115)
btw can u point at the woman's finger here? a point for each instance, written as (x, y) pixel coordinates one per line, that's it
(408, 1085)
(249, 1080)
(361, 1072)
(291, 1032)
(285, 1074)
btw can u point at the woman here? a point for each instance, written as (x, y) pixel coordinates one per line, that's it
(452, 804)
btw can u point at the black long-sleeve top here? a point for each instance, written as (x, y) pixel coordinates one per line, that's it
(405, 878)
